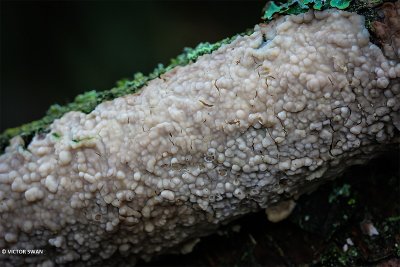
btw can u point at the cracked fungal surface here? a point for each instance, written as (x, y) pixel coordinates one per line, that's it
(258, 121)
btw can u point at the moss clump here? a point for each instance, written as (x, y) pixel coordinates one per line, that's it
(362, 7)
(301, 6)
(340, 4)
(282, 7)
(86, 102)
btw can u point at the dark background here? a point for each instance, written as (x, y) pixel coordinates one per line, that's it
(52, 51)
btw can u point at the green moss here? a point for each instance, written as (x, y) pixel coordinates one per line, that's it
(272, 9)
(88, 101)
(340, 4)
(300, 6)
(363, 7)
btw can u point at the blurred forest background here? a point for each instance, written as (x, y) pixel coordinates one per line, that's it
(53, 50)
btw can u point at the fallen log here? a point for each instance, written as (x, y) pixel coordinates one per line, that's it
(252, 125)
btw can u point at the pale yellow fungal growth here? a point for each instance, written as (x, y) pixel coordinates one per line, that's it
(280, 211)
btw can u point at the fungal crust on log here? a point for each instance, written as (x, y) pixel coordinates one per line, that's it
(258, 121)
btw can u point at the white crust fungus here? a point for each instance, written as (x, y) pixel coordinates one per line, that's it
(33, 194)
(254, 123)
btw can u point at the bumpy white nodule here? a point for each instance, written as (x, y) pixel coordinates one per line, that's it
(256, 122)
